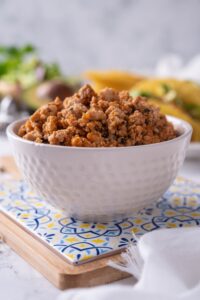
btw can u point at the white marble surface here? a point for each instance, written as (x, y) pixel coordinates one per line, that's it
(19, 281)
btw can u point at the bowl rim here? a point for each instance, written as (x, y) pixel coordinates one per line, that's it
(185, 125)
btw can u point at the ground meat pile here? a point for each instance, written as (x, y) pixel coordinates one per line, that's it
(107, 119)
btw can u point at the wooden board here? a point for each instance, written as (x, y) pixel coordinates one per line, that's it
(55, 268)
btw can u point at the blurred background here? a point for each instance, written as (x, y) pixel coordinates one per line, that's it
(119, 34)
(50, 48)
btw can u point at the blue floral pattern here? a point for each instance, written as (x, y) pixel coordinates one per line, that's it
(80, 241)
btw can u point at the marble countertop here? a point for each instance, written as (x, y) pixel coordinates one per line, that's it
(19, 281)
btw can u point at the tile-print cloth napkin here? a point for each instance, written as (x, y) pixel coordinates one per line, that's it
(170, 270)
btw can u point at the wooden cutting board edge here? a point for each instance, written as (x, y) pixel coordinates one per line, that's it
(55, 268)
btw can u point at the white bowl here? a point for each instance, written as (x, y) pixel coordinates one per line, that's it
(100, 184)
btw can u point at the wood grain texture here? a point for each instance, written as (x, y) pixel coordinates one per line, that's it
(7, 164)
(49, 263)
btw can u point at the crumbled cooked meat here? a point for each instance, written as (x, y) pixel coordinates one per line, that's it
(107, 119)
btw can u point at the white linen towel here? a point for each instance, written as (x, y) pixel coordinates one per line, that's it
(170, 269)
(172, 65)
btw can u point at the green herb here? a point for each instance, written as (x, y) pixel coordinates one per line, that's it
(166, 88)
(22, 64)
(136, 93)
(52, 71)
(193, 109)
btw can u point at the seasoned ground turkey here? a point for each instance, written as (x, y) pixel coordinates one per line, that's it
(107, 119)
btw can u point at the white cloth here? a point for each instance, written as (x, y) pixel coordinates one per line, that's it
(171, 270)
(172, 66)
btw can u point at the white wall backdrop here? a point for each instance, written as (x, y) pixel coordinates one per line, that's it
(125, 34)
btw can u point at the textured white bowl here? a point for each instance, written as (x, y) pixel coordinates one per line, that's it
(100, 184)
